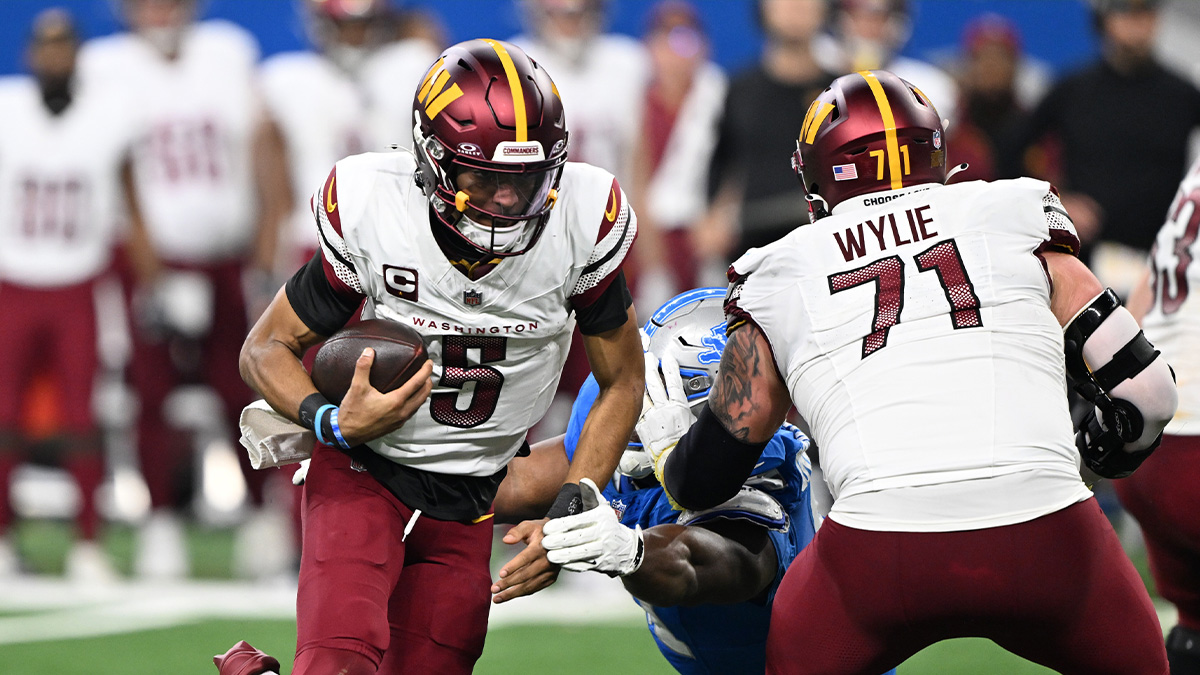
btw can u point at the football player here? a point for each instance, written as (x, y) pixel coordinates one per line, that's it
(487, 242)
(957, 310)
(705, 578)
(1162, 494)
(326, 101)
(63, 157)
(206, 164)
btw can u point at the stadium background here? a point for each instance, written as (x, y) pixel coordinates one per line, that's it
(49, 627)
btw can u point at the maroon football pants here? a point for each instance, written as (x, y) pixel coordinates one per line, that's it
(163, 451)
(52, 331)
(1164, 496)
(1057, 590)
(415, 605)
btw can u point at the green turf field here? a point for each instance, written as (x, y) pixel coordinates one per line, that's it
(624, 648)
(580, 650)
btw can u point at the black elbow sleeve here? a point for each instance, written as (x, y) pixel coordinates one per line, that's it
(708, 466)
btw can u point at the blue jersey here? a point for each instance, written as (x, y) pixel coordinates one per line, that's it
(717, 638)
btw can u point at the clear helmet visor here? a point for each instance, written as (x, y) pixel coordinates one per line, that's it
(503, 195)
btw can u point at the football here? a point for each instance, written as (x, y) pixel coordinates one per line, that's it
(399, 354)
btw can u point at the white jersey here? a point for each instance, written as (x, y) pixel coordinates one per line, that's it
(603, 96)
(914, 332)
(198, 113)
(323, 117)
(1173, 322)
(59, 183)
(498, 343)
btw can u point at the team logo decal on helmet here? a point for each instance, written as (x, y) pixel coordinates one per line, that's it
(691, 328)
(490, 139)
(868, 131)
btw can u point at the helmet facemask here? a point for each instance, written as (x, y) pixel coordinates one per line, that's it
(491, 143)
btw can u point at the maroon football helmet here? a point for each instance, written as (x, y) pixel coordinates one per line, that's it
(868, 131)
(491, 142)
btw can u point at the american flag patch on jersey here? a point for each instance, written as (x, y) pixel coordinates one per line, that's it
(845, 172)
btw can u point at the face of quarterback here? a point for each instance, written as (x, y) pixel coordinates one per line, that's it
(504, 194)
(160, 22)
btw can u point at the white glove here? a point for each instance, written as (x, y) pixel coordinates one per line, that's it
(635, 463)
(594, 539)
(301, 473)
(666, 417)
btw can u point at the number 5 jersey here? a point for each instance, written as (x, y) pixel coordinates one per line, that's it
(498, 343)
(913, 329)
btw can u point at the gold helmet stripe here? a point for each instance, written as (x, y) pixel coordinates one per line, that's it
(427, 83)
(807, 120)
(889, 127)
(817, 119)
(514, 85)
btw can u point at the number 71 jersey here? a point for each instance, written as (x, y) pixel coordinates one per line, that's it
(913, 330)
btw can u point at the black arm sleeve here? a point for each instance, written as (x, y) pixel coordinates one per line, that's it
(609, 311)
(316, 303)
(708, 465)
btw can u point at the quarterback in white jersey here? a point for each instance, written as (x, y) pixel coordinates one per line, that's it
(919, 329)
(492, 247)
(1162, 494)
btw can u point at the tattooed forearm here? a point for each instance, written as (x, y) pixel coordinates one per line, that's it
(741, 397)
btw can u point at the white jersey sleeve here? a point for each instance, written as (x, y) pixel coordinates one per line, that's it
(914, 332)
(615, 231)
(336, 258)
(1173, 322)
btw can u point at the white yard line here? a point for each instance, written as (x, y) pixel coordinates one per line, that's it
(61, 610)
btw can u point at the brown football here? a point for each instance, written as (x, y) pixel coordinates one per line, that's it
(399, 354)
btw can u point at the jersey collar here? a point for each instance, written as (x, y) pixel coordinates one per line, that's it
(876, 198)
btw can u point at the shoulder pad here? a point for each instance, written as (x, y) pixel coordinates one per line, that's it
(749, 504)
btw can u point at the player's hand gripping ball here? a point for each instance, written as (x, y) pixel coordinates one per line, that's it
(399, 354)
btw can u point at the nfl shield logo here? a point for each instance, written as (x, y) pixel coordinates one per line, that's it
(937, 139)
(472, 298)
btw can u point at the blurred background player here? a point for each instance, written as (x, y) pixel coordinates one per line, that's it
(869, 34)
(964, 320)
(1123, 125)
(601, 78)
(203, 165)
(679, 126)
(1162, 495)
(324, 108)
(753, 201)
(998, 84)
(63, 154)
(705, 579)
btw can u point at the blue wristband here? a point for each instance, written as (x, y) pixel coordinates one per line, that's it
(317, 421)
(337, 431)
